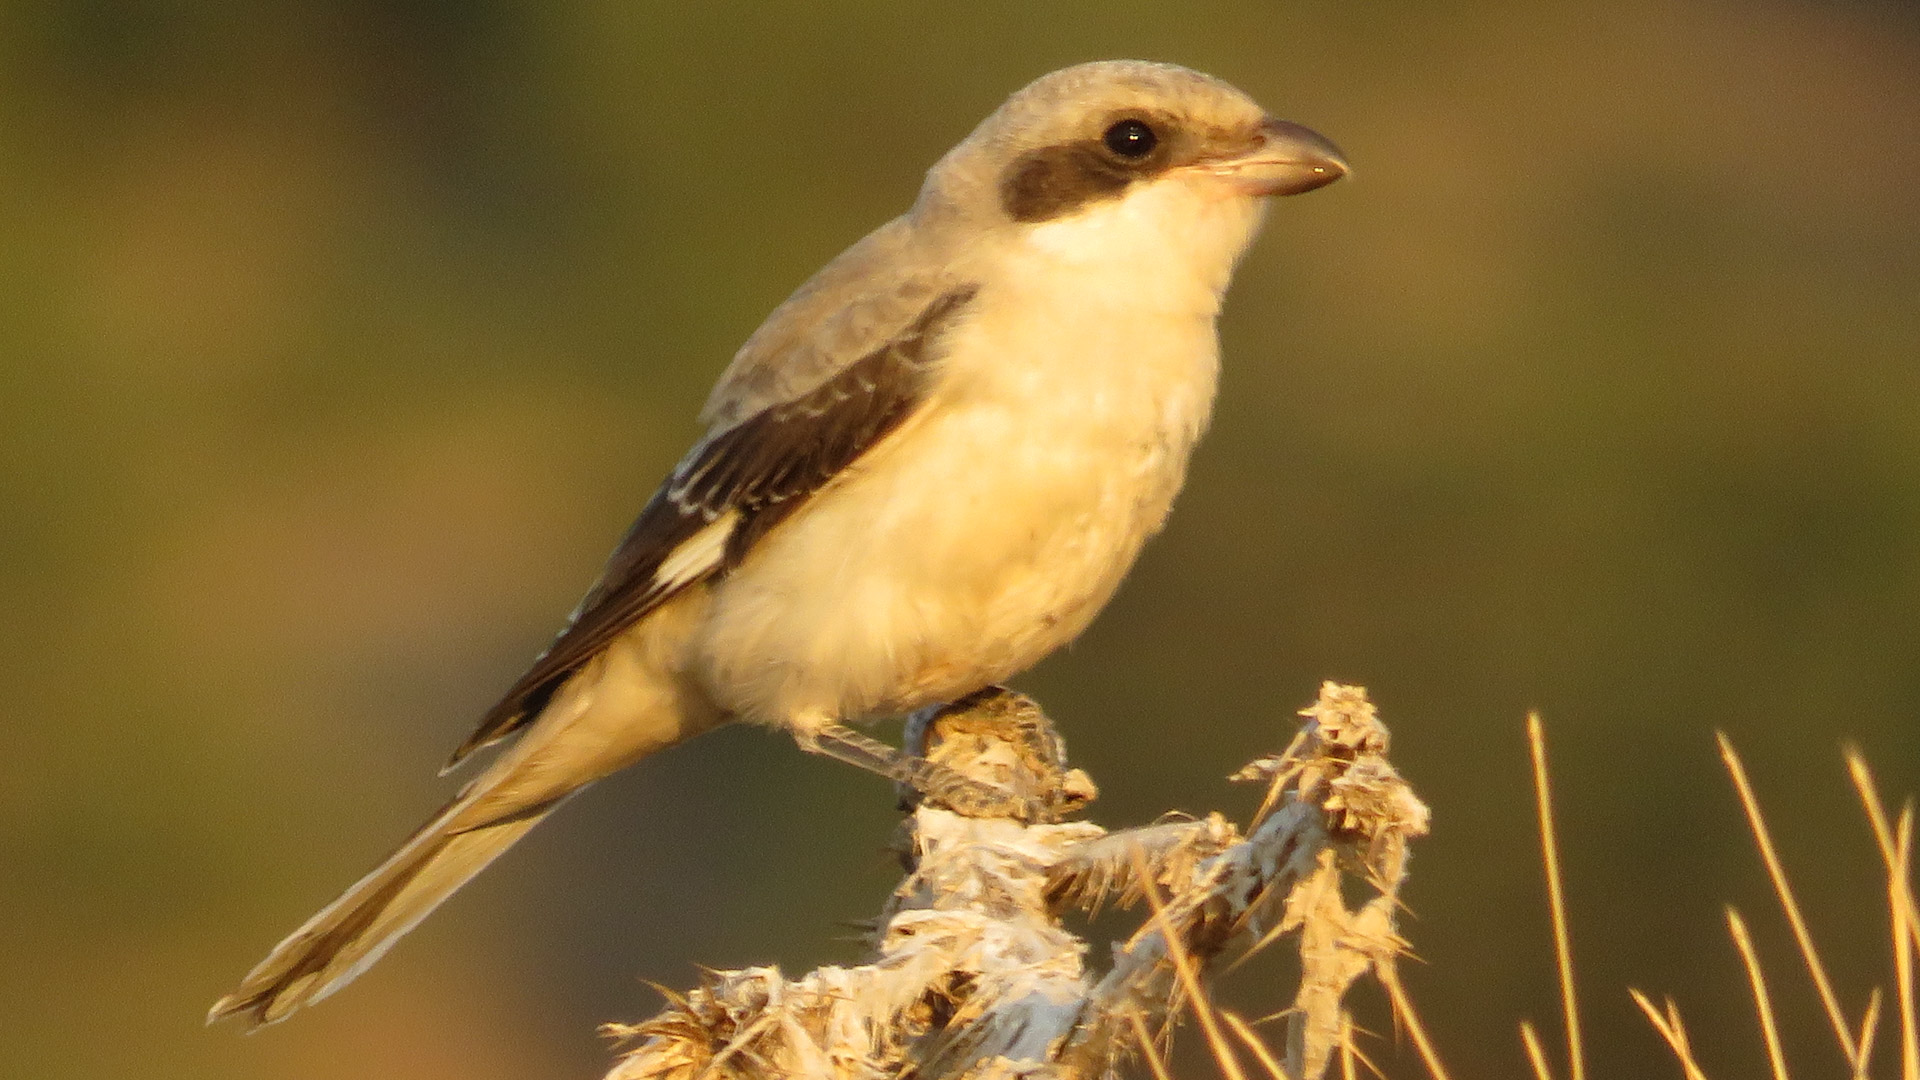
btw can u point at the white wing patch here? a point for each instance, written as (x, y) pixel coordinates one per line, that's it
(696, 555)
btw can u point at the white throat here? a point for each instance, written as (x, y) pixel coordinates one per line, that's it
(1171, 242)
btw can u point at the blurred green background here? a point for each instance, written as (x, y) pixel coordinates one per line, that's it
(339, 341)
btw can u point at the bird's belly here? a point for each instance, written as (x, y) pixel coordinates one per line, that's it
(979, 538)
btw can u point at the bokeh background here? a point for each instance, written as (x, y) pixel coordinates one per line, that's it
(339, 341)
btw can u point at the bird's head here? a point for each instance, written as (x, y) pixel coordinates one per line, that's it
(1125, 159)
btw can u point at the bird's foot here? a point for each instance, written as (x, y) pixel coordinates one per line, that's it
(920, 779)
(1004, 740)
(992, 754)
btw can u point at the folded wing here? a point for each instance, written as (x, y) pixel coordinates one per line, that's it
(736, 484)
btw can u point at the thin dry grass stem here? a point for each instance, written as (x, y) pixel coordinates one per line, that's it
(1351, 1053)
(1536, 1054)
(1883, 834)
(1277, 788)
(1905, 926)
(1350, 1056)
(1869, 1027)
(1550, 856)
(1275, 933)
(1188, 972)
(1350, 1033)
(1673, 1031)
(1255, 1045)
(1762, 1003)
(1146, 1041)
(1403, 1010)
(1896, 852)
(1775, 871)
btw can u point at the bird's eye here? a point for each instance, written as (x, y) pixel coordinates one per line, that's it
(1131, 139)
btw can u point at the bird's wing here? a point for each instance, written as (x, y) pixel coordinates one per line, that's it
(817, 333)
(739, 482)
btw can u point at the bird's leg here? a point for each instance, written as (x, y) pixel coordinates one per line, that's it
(939, 784)
(842, 743)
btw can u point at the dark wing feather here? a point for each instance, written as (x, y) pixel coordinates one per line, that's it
(763, 468)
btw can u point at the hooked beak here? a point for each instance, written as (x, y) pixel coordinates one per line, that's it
(1289, 159)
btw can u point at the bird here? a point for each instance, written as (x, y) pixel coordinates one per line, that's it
(930, 467)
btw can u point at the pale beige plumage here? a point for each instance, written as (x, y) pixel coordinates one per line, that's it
(928, 469)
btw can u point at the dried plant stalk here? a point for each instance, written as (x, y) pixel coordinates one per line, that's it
(1895, 849)
(974, 975)
(1777, 874)
(1672, 1030)
(1557, 905)
(1762, 1001)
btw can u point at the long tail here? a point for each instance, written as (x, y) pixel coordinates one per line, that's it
(351, 933)
(627, 703)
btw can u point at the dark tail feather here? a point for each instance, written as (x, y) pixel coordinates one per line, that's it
(351, 933)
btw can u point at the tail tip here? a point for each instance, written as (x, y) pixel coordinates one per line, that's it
(256, 1009)
(233, 1005)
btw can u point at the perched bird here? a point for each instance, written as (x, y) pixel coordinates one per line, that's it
(927, 470)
